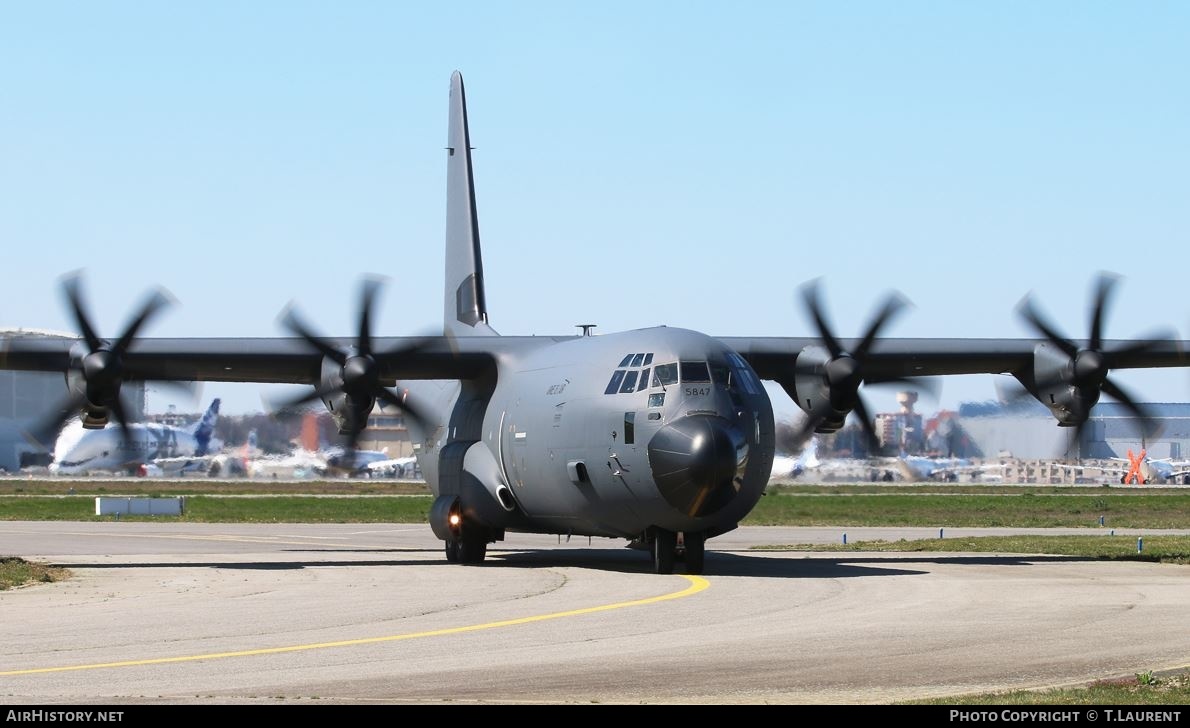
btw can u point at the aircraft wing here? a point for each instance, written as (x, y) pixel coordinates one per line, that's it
(291, 360)
(272, 360)
(773, 357)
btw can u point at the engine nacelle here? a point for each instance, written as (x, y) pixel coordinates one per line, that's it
(346, 411)
(1052, 382)
(86, 381)
(811, 389)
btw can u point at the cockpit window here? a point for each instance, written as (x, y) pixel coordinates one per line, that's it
(664, 374)
(695, 371)
(626, 381)
(720, 374)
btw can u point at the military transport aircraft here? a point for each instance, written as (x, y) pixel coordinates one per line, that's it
(641, 435)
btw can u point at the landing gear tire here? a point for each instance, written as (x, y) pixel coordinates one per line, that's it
(696, 551)
(472, 549)
(452, 551)
(665, 543)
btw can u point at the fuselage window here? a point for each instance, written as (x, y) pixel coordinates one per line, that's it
(644, 380)
(664, 374)
(629, 382)
(638, 360)
(614, 385)
(648, 358)
(657, 399)
(695, 371)
(626, 360)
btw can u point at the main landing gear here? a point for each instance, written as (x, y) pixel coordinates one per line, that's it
(466, 550)
(467, 545)
(666, 551)
(466, 541)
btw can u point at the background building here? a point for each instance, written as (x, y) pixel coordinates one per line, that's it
(901, 431)
(386, 430)
(1028, 431)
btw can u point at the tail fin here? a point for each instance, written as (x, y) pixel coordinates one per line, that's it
(811, 454)
(310, 436)
(465, 311)
(205, 428)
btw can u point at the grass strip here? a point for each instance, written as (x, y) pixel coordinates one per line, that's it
(206, 486)
(214, 509)
(1165, 549)
(15, 572)
(951, 511)
(1024, 510)
(1144, 689)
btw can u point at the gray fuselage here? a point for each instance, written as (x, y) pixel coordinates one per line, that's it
(585, 448)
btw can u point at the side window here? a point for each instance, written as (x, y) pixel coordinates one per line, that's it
(644, 380)
(657, 399)
(629, 382)
(629, 428)
(614, 385)
(720, 373)
(665, 374)
(746, 379)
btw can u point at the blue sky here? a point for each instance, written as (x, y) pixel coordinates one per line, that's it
(637, 164)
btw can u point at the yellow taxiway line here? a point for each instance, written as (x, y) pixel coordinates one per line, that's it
(697, 584)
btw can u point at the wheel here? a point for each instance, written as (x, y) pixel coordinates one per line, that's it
(664, 545)
(452, 551)
(696, 551)
(472, 549)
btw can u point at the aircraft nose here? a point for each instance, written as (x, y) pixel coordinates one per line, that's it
(696, 461)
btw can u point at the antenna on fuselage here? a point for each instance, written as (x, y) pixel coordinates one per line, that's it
(586, 328)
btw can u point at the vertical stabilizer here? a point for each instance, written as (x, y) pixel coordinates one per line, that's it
(205, 428)
(465, 312)
(310, 437)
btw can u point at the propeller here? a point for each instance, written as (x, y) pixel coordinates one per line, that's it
(101, 369)
(1090, 365)
(359, 371)
(845, 370)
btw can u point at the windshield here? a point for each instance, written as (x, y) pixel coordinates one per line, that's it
(695, 371)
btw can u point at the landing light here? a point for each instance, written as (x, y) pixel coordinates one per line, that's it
(454, 519)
